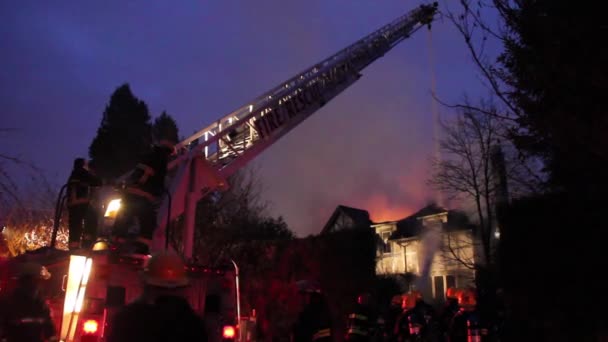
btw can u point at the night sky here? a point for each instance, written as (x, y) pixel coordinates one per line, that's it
(198, 60)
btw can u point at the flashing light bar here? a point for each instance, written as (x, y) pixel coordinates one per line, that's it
(78, 277)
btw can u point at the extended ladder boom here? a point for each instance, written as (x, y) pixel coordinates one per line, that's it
(214, 153)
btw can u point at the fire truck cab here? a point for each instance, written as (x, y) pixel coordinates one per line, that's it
(99, 283)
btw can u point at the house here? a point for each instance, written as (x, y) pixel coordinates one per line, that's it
(434, 246)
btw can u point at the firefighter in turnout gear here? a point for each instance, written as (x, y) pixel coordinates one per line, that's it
(392, 313)
(314, 321)
(465, 325)
(161, 313)
(144, 189)
(361, 326)
(426, 314)
(404, 329)
(82, 217)
(416, 321)
(448, 311)
(24, 315)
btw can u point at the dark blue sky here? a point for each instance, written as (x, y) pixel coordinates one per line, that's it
(198, 60)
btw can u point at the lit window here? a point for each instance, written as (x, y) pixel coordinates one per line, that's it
(387, 244)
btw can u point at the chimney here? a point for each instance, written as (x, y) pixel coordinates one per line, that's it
(500, 175)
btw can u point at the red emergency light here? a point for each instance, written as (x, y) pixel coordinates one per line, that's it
(90, 327)
(229, 331)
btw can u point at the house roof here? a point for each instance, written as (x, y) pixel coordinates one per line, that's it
(359, 217)
(412, 225)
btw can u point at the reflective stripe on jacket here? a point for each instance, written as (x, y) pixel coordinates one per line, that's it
(359, 322)
(321, 333)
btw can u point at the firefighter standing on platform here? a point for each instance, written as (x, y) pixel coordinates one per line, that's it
(361, 326)
(161, 313)
(24, 315)
(144, 188)
(82, 217)
(314, 321)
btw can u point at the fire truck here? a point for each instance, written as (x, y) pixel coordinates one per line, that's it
(97, 283)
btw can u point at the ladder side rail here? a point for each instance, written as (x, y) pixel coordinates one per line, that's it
(230, 168)
(179, 188)
(404, 23)
(364, 56)
(251, 115)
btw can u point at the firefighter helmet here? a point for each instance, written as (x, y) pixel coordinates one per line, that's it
(100, 246)
(466, 298)
(408, 301)
(452, 293)
(165, 270)
(167, 145)
(33, 270)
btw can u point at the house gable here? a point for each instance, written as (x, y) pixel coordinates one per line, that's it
(347, 218)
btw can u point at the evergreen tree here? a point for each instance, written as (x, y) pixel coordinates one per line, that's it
(550, 77)
(164, 127)
(555, 65)
(123, 136)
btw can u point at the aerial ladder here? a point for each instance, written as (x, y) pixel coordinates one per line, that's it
(206, 159)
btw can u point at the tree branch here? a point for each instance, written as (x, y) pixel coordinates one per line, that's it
(463, 27)
(469, 107)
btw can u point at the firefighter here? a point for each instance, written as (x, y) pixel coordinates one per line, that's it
(465, 325)
(144, 189)
(314, 321)
(82, 217)
(161, 313)
(412, 324)
(24, 314)
(448, 311)
(425, 313)
(402, 330)
(361, 322)
(391, 315)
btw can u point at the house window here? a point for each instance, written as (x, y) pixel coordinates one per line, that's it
(441, 284)
(387, 244)
(411, 259)
(439, 288)
(450, 281)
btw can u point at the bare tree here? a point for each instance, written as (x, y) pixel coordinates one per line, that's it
(467, 171)
(227, 219)
(28, 217)
(468, 18)
(26, 206)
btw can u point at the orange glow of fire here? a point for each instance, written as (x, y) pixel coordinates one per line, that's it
(380, 210)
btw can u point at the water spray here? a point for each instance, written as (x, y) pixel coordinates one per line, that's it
(430, 243)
